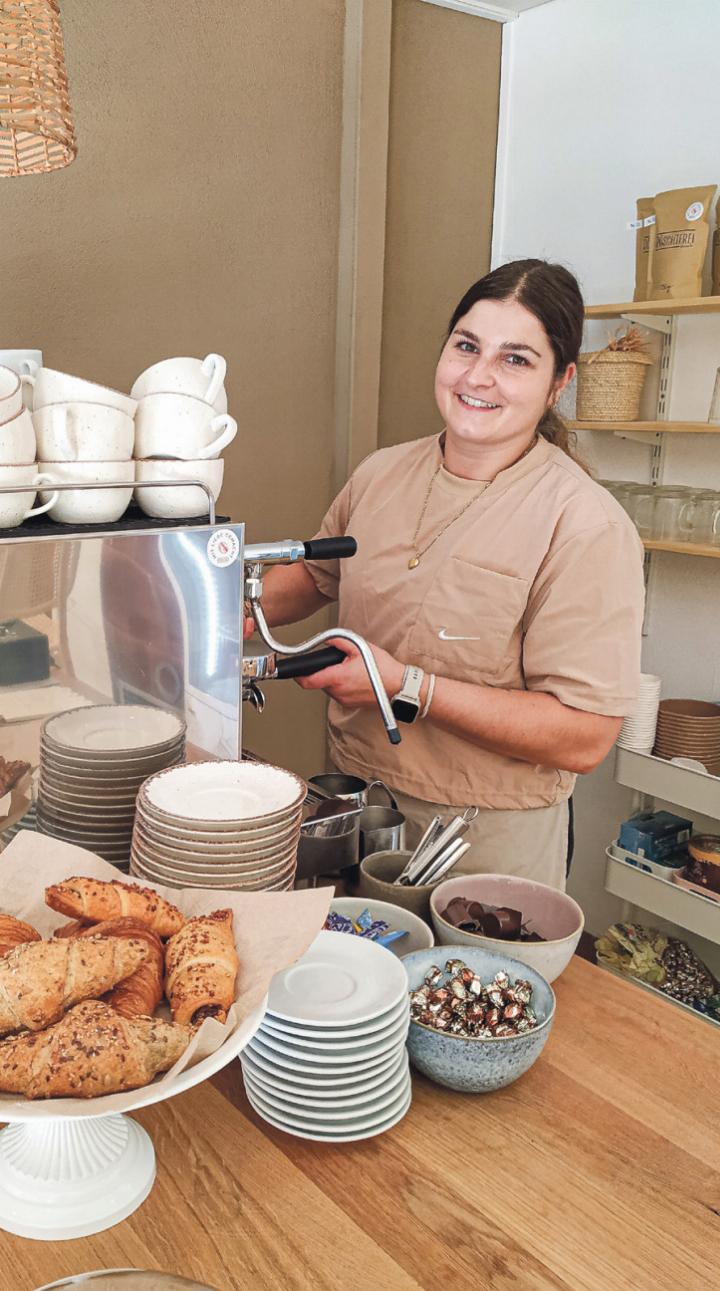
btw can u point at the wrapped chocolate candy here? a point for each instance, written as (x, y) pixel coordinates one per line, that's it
(499, 922)
(365, 926)
(456, 1000)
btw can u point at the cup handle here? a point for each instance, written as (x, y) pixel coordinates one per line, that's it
(45, 506)
(380, 784)
(214, 367)
(685, 527)
(60, 426)
(228, 427)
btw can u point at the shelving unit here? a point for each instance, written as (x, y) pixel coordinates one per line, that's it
(657, 778)
(650, 427)
(682, 548)
(660, 308)
(688, 910)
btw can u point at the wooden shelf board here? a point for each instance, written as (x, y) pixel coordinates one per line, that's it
(646, 773)
(662, 308)
(682, 548)
(651, 427)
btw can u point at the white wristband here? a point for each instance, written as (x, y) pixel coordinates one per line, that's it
(429, 696)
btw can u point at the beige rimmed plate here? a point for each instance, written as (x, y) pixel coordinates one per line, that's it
(211, 865)
(283, 885)
(236, 850)
(114, 728)
(224, 795)
(167, 870)
(222, 839)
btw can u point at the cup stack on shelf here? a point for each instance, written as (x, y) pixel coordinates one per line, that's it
(638, 729)
(689, 729)
(172, 427)
(92, 764)
(17, 454)
(678, 513)
(182, 426)
(231, 825)
(329, 1062)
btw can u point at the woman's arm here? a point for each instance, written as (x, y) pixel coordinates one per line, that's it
(289, 594)
(529, 725)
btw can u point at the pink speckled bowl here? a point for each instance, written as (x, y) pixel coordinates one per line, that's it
(545, 910)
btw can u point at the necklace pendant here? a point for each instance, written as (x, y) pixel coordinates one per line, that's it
(414, 562)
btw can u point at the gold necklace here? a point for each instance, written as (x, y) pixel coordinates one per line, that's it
(414, 560)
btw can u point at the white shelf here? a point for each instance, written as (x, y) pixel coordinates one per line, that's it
(689, 789)
(686, 909)
(655, 990)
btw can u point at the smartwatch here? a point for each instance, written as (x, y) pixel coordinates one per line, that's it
(406, 704)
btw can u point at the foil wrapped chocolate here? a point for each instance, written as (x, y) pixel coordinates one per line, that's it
(456, 1000)
(364, 926)
(499, 922)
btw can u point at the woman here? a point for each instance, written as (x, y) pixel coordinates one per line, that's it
(494, 569)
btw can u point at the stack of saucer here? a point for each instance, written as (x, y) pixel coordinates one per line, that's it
(638, 729)
(219, 824)
(329, 1061)
(92, 763)
(689, 728)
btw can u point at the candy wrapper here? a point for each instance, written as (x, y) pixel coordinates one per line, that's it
(456, 1000)
(363, 925)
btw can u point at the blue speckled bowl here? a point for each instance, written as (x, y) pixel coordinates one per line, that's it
(477, 1066)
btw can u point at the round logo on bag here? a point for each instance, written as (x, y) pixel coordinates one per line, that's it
(694, 211)
(223, 548)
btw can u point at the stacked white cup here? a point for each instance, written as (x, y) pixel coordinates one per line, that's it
(85, 435)
(181, 428)
(638, 729)
(17, 454)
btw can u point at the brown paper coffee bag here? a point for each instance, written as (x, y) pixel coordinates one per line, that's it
(644, 244)
(681, 238)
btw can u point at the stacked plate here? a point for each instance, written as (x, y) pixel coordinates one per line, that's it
(638, 729)
(689, 728)
(231, 825)
(329, 1061)
(92, 763)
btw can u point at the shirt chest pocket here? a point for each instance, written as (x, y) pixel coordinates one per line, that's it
(468, 626)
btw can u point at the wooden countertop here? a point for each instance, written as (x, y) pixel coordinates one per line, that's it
(597, 1171)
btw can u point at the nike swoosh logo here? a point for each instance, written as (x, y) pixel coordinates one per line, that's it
(446, 636)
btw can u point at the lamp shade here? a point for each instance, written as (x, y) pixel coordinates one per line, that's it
(37, 132)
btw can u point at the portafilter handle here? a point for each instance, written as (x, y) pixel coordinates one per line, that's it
(287, 552)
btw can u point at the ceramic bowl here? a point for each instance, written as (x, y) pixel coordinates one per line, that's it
(375, 883)
(547, 911)
(478, 1066)
(419, 935)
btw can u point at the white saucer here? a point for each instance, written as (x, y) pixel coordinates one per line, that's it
(330, 1114)
(339, 1079)
(292, 1029)
(111, 728)
(339, 1070)
(339, 980)
(224, 791)
(294, 1041)
(330, 1099)
(332, 1137)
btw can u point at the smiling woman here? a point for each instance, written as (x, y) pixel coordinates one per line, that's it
(501, 588)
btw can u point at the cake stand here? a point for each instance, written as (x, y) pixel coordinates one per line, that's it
(71, 1167)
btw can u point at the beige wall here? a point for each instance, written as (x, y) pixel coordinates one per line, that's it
(201, 214)
(445, 82)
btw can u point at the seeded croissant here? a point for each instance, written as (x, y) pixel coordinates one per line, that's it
(40, 980)
(140, 994)
(13, 932)
(92, 1051)
(201, 964)
(95, 899)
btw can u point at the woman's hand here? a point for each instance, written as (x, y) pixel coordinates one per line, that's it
(348, 682)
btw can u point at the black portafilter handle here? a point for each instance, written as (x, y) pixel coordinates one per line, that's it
(330, 548)
(304, 665)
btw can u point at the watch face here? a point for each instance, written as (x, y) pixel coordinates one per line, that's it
(404, 710)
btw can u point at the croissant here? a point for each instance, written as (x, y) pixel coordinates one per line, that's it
(74, 928)
(42, 979)
(92, 1051)
(95, 899)
(201, 965)
(140, 994)
(13, 932)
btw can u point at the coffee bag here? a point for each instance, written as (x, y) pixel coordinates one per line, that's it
(681, 238)
(644, 244)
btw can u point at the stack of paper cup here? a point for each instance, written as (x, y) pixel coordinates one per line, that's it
(638, 729)
(182, 426)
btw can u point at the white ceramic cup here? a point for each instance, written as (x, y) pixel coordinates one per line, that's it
(180, 426)
(88, 506)
(83, 432)
(11, 395)
(50, 386)
(178, 503)
(202, 378)
(16, 507)
(17, 440)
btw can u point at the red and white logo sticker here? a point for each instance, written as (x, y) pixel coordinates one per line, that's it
(223, 548)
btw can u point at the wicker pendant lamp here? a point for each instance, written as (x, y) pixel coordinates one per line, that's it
(37, 132)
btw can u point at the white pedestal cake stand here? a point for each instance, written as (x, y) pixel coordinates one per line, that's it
(74, 1167)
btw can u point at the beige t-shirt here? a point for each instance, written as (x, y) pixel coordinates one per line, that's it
(538, 585)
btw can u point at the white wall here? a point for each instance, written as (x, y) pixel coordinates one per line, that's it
(605, 101)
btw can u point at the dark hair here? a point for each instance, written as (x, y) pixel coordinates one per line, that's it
(552, 294)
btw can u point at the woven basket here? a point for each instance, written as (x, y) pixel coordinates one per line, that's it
(610, 384)
(37, 132)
